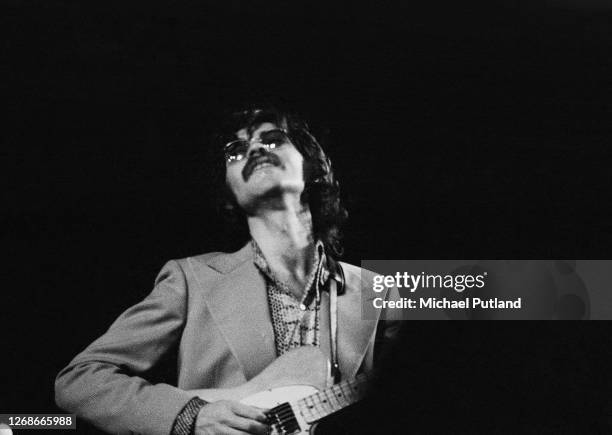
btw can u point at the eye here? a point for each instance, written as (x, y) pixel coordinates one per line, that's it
(235, 150)
(276, 137)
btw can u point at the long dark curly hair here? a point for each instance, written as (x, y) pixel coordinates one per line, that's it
(321, 191)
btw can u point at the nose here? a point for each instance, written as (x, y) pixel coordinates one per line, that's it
(256, 148)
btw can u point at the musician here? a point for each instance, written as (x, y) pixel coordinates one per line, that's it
(231, 315)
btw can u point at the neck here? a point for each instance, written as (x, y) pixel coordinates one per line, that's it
(284, 235)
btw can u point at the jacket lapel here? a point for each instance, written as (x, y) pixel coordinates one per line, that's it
(239, 305)
(354, 333)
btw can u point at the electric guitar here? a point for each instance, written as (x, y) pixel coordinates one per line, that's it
(295, 390)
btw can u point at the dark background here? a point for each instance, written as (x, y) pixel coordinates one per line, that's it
(479, 129)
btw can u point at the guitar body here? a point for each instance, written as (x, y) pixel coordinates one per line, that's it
(295, 388)
(304, 365)
(277, 396)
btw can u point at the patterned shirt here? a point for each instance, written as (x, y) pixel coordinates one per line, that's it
(295, 322)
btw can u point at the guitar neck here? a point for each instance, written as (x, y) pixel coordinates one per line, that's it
(330, 400)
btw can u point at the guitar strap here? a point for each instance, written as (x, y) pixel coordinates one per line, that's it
(333, 322)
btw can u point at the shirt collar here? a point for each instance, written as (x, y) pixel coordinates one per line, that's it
(319, 262)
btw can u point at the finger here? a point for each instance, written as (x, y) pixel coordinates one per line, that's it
(248, 425)
(249, 412)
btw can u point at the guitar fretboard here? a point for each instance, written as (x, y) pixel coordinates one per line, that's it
(330, 400)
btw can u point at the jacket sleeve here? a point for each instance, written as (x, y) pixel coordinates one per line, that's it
(102, 384)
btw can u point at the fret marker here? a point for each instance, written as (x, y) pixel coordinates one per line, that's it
(302, 307)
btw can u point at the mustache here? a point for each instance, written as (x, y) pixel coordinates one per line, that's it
(254, 161)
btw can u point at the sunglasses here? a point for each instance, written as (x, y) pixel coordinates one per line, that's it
(236, 150)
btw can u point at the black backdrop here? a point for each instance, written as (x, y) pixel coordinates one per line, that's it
(472, 130)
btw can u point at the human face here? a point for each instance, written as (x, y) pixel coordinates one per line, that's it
(264, 173)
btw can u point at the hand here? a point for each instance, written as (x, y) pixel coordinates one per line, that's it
(229, 417)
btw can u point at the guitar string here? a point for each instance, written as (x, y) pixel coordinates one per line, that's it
(285, 414)
(285, 410)
(288, 414)
(326, 406)
(337, 389)
(282, 423)
(282, 427)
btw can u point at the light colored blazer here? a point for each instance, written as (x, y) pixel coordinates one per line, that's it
(215, 307)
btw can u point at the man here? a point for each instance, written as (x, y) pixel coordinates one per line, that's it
(231, 315)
